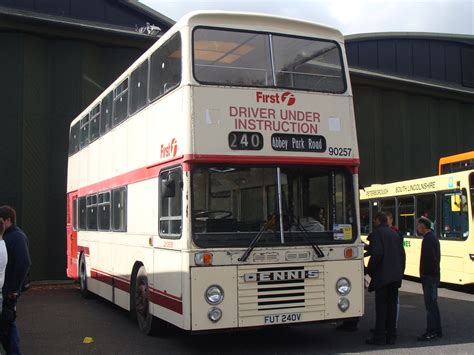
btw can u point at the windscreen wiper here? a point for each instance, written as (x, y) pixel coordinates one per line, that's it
(316, 248)
(255, 240)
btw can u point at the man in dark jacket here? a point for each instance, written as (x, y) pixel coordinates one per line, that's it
(17, 268)
(430, 275)
(386, 267)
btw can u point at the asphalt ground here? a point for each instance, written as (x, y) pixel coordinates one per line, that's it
(55, 319)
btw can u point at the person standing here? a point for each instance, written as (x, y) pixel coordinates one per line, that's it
(17, 268)
(3, 258)
(393, 226)
(386, 268)
(430, 276)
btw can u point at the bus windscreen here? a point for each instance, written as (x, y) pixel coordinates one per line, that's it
(232, 204)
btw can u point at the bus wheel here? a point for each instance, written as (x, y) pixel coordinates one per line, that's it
(142, 302)
(83, 278)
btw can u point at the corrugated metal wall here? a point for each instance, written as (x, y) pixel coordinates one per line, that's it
(414, 101)
(432, 58)
(402, 134)
(47, 84)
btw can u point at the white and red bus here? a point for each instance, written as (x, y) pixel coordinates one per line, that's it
(193, 179)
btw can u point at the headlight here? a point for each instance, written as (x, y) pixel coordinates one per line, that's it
(343, 286)
(214, 314)
(343, 304)
(214, 295)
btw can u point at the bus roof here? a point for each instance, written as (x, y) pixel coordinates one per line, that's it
(257, 21)
(227, 19)
(456, 158)
(415, 186)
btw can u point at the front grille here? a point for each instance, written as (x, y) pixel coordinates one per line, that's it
(298, 256)
(264, 290)
(265, 257)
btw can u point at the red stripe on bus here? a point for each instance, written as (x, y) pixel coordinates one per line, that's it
(164, 293)
(130, 177)
(122, 284)
(114, 281)
(242, 159)
(151, 172)
(99, 276)
(165, 301)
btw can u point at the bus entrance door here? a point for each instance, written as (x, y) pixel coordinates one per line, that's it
(71, 230)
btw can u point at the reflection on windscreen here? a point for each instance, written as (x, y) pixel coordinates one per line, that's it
(232, 204)
(245, 59)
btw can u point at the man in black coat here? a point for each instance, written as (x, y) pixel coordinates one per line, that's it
(17, 268)
(386, 268)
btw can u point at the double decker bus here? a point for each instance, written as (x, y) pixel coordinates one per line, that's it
(448, 201)
(192, 177)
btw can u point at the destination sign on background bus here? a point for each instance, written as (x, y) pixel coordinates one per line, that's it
(298, 143)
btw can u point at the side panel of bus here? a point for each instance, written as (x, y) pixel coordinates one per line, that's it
(71, 236)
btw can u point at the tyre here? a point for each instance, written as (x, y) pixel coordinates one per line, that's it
(83, 278)
(141, 303)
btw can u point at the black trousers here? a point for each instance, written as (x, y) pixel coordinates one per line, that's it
(386, 299)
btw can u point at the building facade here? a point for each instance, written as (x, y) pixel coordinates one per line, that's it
(414, 101)
(57, 57)
(413, 97)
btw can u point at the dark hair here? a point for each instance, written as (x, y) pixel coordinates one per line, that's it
(314, 210)
(381, 217)
(425, 221)
(8, 212)
(389, 214)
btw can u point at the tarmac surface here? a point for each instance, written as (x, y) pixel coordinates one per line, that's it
(55, 319)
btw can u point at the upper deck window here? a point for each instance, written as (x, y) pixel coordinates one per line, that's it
(120, 102)
(165, 68)
(308, 64)
(232, 58)
(241, 58)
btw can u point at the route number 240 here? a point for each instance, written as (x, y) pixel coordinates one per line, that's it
(245, 141)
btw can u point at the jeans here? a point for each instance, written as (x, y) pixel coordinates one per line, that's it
(9, 335)
(430, 293)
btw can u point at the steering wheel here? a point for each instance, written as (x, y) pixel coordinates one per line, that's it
(216, 214)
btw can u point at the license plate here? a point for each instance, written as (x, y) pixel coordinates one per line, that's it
(283, 318)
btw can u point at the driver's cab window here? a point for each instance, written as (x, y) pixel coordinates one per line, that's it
(454, 215)
(313, 202)
(171, 203)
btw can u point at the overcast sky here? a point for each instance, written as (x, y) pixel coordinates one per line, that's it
(349, 16)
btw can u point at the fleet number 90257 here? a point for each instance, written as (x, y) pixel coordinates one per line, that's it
(340, 152)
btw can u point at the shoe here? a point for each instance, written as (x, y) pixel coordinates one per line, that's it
(347, 327)
(428, 337)
(439, 334)
(375, 341)
(391, 340)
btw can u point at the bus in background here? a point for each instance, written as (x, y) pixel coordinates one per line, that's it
(214, 184)
(448, 201)
(455, 163)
